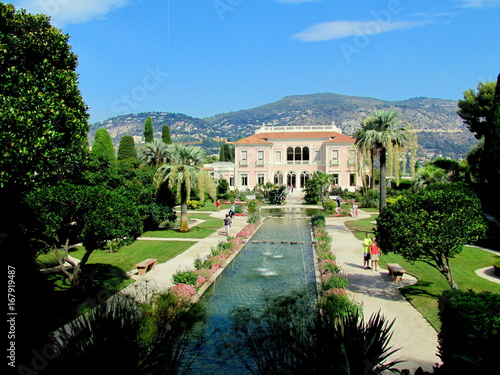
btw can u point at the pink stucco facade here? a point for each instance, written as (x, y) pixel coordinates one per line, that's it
(288, 156)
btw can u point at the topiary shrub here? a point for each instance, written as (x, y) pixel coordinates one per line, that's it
(470, 332)
(330, 205)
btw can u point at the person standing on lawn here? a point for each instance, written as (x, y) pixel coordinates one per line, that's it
(367, 242)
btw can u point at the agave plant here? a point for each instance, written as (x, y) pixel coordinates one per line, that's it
(292, 336)
(122, 336)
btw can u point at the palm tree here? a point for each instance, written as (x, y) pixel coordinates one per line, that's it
(155, 153)
(364, 147)
(380, 134)
(428, 175)
(183, 174)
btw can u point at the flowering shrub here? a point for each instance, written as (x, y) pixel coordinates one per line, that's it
(244, 233)
(214, 268)
(200, 281)
(247, 231)
(204, 272)
(183, 291)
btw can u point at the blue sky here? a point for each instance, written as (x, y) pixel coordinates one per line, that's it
(206, 57)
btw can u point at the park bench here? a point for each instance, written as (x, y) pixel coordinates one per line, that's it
(145, 266)
(396, 271)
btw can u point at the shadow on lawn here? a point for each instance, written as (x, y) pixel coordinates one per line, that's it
(418, 290)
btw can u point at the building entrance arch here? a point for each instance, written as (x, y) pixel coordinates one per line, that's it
(304, 176)
(291, 179)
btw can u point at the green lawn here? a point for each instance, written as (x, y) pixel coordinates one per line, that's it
(425, 293)
(202, 230)
(127, 257)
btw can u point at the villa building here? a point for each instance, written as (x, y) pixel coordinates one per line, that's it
(288, 156)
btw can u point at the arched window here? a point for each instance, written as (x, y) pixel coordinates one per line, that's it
(298, 154)
(278, 178)
(305, 154)
(291, 179)
(289, 154)
(304, 176)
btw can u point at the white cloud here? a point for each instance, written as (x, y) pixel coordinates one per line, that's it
(343, 29)
(65, 12)
(479, 3)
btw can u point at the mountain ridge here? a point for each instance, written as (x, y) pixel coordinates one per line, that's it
(440, 130)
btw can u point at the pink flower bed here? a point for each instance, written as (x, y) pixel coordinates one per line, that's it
(200, 281)
(183, 291)
(214, 268)
(247, 231)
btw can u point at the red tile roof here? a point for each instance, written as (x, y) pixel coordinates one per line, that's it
(266, 138)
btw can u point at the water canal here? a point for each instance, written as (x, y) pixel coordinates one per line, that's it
(278, 260)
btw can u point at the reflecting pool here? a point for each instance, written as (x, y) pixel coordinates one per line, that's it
(276, 261)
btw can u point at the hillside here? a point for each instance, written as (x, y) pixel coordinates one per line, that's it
(440, 129)
(183, 128)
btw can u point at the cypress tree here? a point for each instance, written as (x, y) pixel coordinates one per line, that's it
(103, 145)
(126, 149)
(148, 130)
(165, 135)
(222, 153)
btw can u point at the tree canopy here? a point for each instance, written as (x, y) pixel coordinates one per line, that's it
(432, 225)
(480, 112)
(43, 118)
(65, 215)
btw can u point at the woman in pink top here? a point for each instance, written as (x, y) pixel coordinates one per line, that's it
(374, 254)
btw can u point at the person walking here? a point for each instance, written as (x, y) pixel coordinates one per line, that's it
(355, 209)
(374, 254)
(367, 242)
(217, 205)
(227, 224)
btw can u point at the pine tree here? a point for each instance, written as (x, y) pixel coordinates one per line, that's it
(148, 131)
(165, 135)
(103, 145)
(126, 149)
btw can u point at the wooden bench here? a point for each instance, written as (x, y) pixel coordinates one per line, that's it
(145, 266)
(396, 271)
